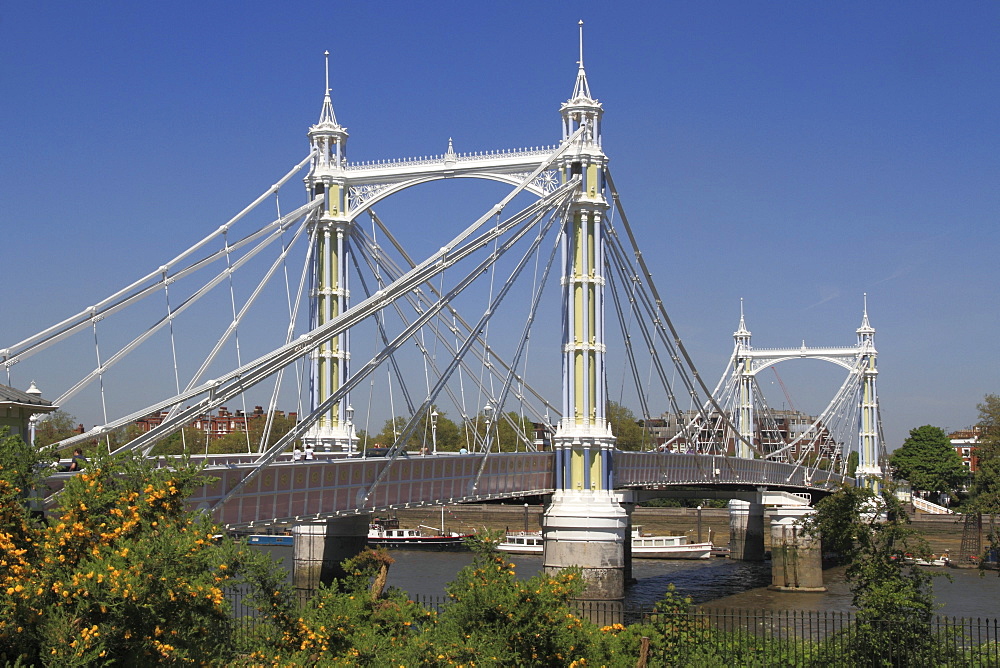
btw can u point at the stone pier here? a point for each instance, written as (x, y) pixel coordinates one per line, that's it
(796, 556)
(320, 548)
(746, 531)
(589, 530)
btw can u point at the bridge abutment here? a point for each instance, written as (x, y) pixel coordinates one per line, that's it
(321, 547)
(746, 531)
(589, 530)
(796, 555)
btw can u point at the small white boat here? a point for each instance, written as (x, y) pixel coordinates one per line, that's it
(647, 546)
(643, 546)
(522, 542)
(934, 560)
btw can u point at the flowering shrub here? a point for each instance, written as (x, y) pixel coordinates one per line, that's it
(120, 571)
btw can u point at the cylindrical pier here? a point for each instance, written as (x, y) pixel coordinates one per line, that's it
(322, 546)
(589, 530)
(746, 531)
(796, 556)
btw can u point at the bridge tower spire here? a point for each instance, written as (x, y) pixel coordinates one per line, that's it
(869, 449)
(329, 286)
(744, 370)
(585, 525)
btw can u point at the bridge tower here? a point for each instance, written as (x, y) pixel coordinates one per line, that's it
(743, 369)
(869, 468)
(329, 293)
(584, 525)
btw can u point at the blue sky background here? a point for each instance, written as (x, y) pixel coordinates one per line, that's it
(795, 155)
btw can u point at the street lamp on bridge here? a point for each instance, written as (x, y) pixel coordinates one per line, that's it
(434, 431)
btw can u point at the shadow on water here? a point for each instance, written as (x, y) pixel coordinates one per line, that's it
(701, 580)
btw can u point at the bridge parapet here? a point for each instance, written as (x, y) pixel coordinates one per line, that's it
(656, 469)
(302, 491)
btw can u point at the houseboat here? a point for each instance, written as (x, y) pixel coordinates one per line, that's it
(387, 533)
(644, 546)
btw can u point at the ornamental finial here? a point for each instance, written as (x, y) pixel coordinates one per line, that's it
(582, 89)
(326, 116)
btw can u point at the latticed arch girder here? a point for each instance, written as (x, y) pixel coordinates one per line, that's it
(846, 358)
(365, 196)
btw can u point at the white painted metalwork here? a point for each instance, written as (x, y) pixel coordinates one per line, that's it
(573, 214)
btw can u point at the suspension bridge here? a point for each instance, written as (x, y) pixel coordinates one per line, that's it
(319, 306)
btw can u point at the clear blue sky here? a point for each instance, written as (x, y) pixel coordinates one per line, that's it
(795, 155)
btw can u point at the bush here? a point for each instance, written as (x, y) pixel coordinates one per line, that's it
(120, 571)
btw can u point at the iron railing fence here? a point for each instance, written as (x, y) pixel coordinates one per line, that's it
(769, 637)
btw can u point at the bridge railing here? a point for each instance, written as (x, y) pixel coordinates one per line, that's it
(298, 491)
(653, 469)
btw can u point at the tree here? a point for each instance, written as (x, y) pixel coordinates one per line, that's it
(893, 596)
(985, 488)
(448, 433)
(927, 460)
(629, 434)
(55, 426)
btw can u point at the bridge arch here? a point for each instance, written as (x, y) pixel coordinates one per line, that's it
(389, 189)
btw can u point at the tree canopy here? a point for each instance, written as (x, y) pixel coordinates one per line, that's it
(927, 460)
(629, 434)
(986, 481)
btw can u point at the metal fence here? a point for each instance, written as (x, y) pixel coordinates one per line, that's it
(774, 638)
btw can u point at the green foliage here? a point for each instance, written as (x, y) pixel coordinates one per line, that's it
(56, 426)
(894, 598)
(629, 434)
(852, 463)
(927, 460)
(494, 615)
(352, 622)
(449, 438)
(122, 571)
(985, 489)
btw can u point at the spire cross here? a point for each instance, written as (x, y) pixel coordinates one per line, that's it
(581, 44)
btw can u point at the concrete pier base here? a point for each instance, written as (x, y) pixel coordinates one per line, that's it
(796, 556)
(321, 547)
(746, 531)
(589, 530)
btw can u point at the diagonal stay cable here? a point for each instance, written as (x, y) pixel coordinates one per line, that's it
(133, 292)
(458, 318)
(233, 382)
(187, 303)
(375, 362)
(418, 302)
(662, 312)
(469, 341)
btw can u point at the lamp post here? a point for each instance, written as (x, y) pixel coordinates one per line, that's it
(526, 519)
(349, 412)
(434, 431)
(699, 524)
(488, 411)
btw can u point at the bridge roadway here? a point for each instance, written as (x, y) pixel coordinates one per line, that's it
(333, 486)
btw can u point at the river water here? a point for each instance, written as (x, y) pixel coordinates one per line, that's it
(716, 583)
